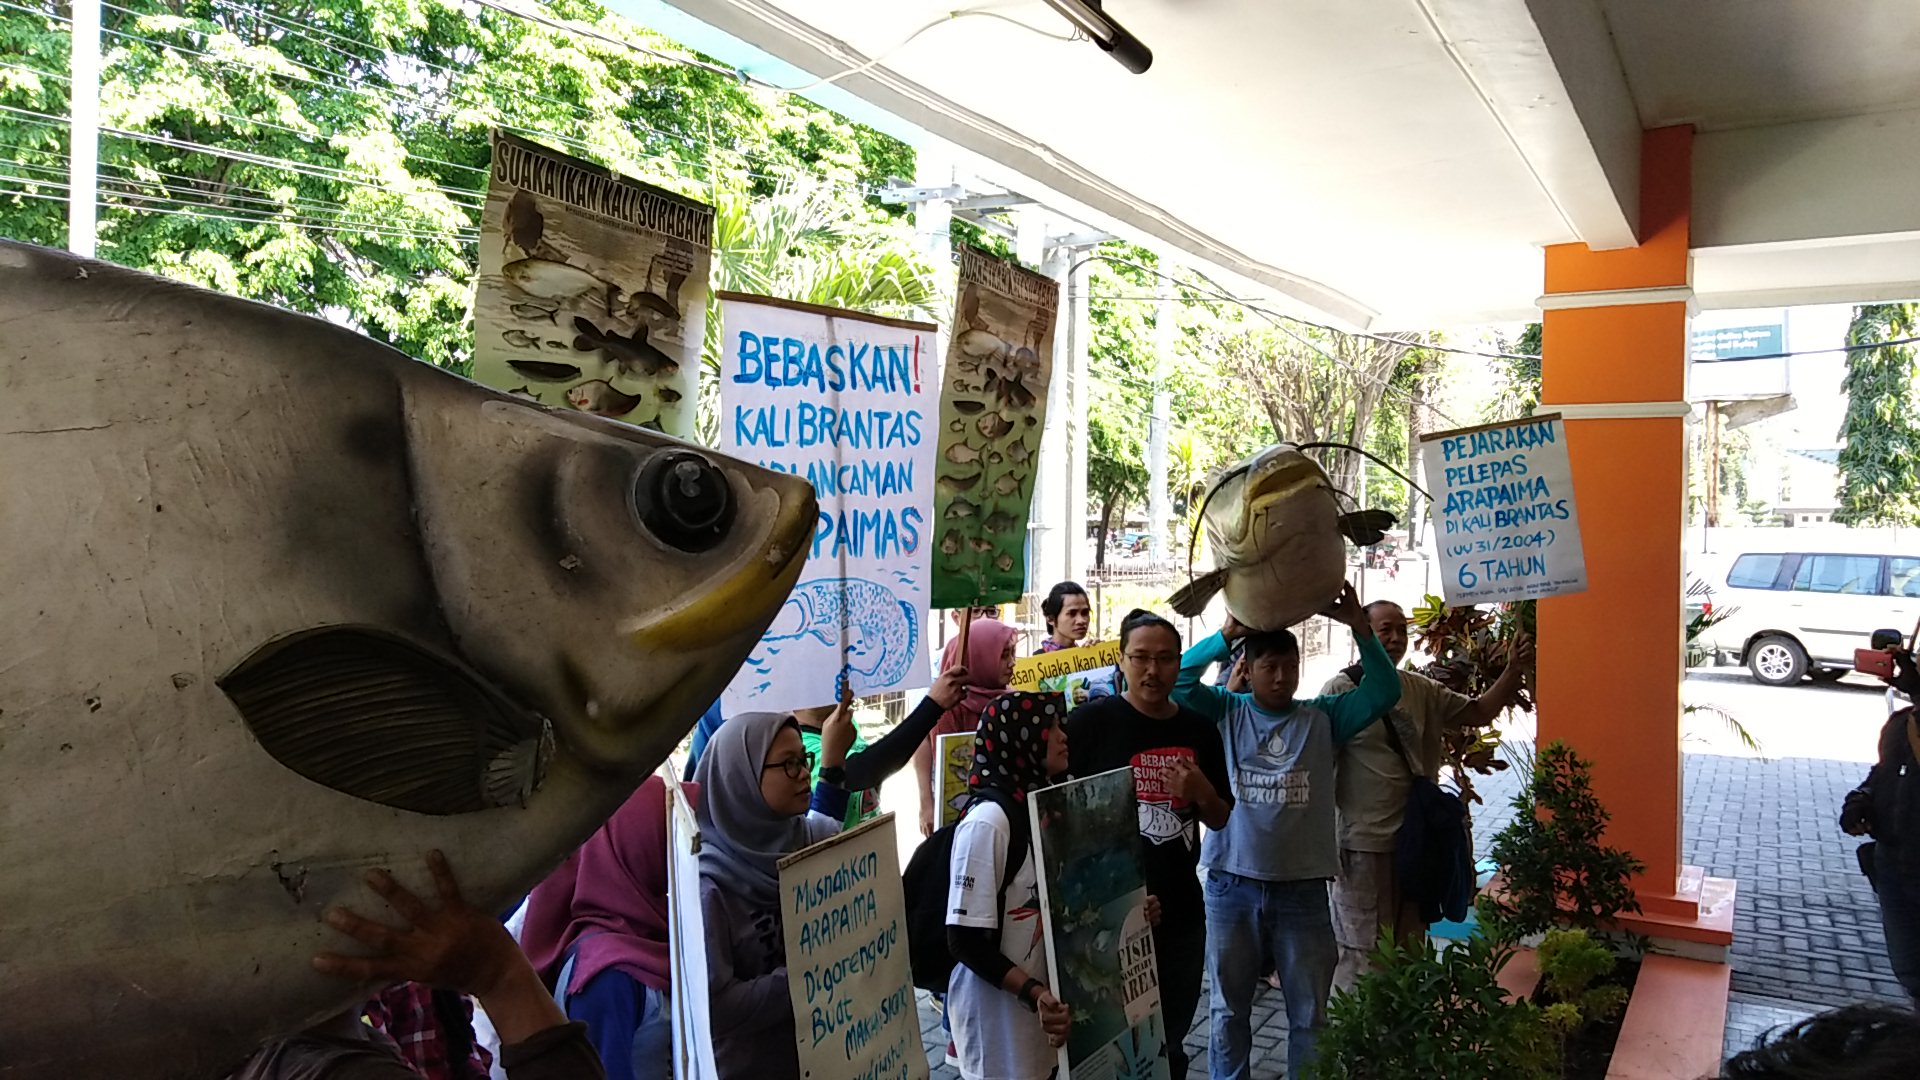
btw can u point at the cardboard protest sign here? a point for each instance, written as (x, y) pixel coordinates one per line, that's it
(844, 917)
(1504, 511)
(847, 401)
(993, 406)
(1100, 955)
(592, 291)
(952, 765)
(687, 937)
(1083, 674)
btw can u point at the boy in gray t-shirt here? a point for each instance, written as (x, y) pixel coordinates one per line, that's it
(1267, 870)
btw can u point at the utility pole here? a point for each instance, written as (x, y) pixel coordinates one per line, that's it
(1159, 427)
(1712, 519)
(83, 178)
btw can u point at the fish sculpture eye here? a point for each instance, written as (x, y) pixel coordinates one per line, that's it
(683, 500)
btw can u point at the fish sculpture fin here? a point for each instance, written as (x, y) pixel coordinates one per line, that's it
(375, 716)
(1366, 527)
(1192, 598)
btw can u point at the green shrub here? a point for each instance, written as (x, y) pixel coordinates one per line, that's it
(1424, 1013)
(1556, 870)
(1570, 962)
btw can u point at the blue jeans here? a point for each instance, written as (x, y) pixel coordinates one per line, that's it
(628, 1022)
(1244, 916)
(1900, 919)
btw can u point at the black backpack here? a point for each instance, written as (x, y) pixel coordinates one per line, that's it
(1433, 854)
(926, 881)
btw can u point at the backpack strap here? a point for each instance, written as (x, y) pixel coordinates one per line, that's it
(1019, 840)
(1393, 739)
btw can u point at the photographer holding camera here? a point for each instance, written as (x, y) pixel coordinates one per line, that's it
(1886, 806)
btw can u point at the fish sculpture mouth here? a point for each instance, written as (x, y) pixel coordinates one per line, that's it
(1270, 485)
(709, 618)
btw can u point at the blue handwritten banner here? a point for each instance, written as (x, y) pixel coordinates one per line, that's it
(1504, 512)
(848, 401)
(844, 917)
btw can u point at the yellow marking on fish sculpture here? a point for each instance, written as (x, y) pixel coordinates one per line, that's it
(720, 614)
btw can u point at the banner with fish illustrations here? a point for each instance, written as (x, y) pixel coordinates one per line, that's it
(1504, 511)
(1083, 673)
(592, 291)
(993, 407)
(845, 400)
(952, 765)
(1093, 907)
(844, 917)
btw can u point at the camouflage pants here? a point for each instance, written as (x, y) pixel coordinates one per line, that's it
(1367, 900)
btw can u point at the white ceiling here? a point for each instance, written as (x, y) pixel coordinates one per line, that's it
(1402, 162)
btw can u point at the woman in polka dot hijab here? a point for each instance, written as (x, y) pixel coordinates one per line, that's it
(1010, 748)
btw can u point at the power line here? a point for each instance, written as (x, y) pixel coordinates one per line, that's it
(340, 230)
(1274, 318)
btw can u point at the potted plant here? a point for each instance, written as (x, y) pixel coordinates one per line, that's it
(1425, 1012)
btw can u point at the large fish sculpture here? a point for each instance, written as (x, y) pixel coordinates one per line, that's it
(283, 605)
(1275, 527)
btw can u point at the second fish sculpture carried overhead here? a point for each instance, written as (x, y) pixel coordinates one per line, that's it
(284, 605)
(1278, 540)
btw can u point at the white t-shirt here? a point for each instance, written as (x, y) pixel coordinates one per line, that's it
(997, 1038)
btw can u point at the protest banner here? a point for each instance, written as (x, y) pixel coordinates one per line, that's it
(839, 398)
(687, 941)
(1503, 511)
(952, 766)
(1083, 674)
(993, 407)
(844, 917)
(592, 292)
(1093, 901)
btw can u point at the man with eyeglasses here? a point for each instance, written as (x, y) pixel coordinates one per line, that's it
(1268, 868)
(1180, 777)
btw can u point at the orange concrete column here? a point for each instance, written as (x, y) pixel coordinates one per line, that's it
(1609, 677)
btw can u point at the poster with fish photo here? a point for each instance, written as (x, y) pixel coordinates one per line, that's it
(844, 920)
(993, 407)
(687, 937)
(1504, 510)
(847, 401)
(1093, 901)
(592, 292)
(953, 765)
(1083, 673)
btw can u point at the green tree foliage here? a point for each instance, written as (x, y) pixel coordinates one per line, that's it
(1519, 377)
(1116, 473)
(1879, 473)
(329, 156)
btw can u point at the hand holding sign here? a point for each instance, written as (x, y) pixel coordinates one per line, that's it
(950, 688)
(1055, 1018)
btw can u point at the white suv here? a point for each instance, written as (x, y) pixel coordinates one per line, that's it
(1796, 614)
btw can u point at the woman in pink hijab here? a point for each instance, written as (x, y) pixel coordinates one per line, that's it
(988, 669)
(597, 932)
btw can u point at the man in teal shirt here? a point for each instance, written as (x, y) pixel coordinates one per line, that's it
(1267, 870)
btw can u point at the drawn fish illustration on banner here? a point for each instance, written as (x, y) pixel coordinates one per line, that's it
(993, 407)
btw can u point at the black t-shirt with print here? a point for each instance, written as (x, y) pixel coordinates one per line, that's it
(1108, 733)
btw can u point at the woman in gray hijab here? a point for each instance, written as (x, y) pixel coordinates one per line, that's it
(757, 805)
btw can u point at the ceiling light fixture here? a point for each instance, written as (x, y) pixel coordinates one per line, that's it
(1109, 35)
